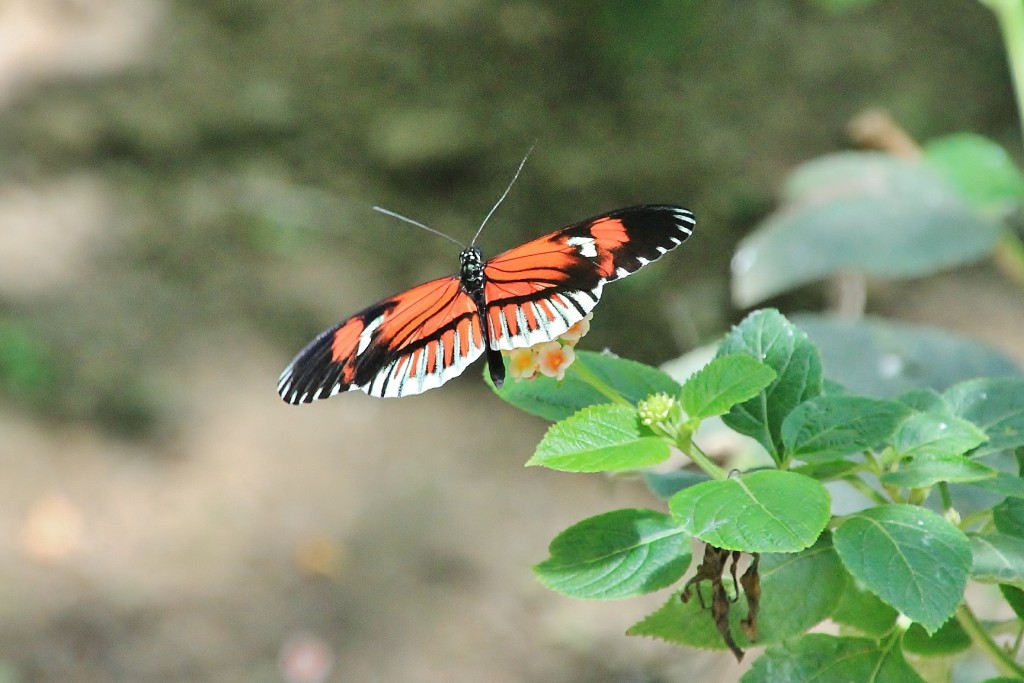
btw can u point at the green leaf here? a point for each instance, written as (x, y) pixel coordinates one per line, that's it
(554, 400)
(1008, 517)
(603, 438)
(828, 470)
(864, 212)
(815, 574)
(924, 400)
(996, 405)
(1003, 484)
(722, 383)
(830, 427)
(874, 357)
(1014, 598)
(864, 611)
(949, 639)
(979, 168)
(618, 554)
(666, 484)
(757, 512)
(936, 434)
(910, 557)
(929, 470)
(998, 559)
(827, 659)
(768, 337)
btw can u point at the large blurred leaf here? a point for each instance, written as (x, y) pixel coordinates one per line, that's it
(982, 170)
(884, 359)
(865, 212)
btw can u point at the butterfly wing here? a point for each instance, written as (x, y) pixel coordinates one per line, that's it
(537, 291)
(404, 345)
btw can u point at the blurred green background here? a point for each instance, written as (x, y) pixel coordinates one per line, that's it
(185, 193)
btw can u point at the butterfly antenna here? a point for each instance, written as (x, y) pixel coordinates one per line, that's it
(417, 224)
(504, 194)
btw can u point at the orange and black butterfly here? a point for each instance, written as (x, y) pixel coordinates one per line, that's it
(423, 337)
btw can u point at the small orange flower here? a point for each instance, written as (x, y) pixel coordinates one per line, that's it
(553, 359)
(577, 331)
(522, 363)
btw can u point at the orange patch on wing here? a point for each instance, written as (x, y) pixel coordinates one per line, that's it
(346, 340)
(609, 234)
(531, 318)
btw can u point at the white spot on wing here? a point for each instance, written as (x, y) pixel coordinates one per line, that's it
(366, 336)
(587, 246)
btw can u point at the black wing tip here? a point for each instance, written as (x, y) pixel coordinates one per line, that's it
(681, 217)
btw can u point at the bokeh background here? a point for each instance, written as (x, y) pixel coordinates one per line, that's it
(185, 193)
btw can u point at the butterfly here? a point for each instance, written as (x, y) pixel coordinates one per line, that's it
(425, 336)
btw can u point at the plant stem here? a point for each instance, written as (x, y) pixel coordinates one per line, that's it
(585, 374)
(1010, 14)
(702, 461)
(983, 641)
(862, 486)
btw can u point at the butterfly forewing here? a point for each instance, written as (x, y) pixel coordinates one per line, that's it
(404, 345)
(537, 291)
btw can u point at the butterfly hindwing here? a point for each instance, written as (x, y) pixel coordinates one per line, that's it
(404, 345)
(537, 291)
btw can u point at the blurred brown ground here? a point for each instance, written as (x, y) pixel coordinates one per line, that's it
(239, 539)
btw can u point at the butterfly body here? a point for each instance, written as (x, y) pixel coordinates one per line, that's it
(421, 338)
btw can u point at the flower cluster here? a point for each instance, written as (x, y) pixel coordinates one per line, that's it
(550, 358)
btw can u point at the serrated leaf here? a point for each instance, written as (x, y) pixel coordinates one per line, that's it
(996, 406)
(830, 427)
(1008, 517)
(554, 400)
(929, 470)
(768, 337)
(998, 559)
(881, 358)
(602, 438)
(949, 639)
(814, 573)
(936, 434)
(722, 383)
(911, 558)
(827, 659)
(978, 167)
(756, 512)
(616, 555)
(863, 212)
(864, 611)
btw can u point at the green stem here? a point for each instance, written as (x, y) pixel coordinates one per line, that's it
(702, 461)
(983, 641)
(862, 486)
(584, 373)
(1010, 14)
(947, 500)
